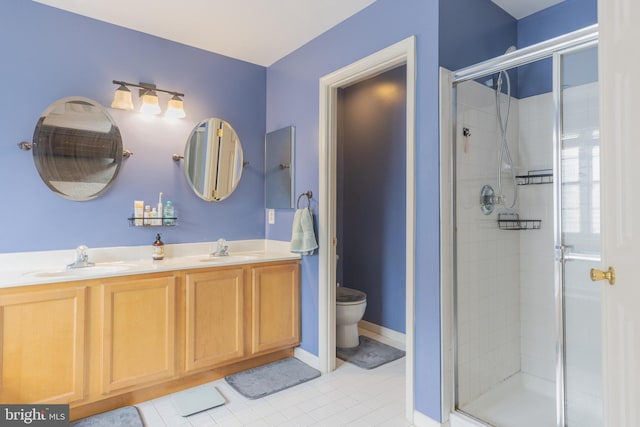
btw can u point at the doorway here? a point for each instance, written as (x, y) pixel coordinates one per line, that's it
(371, 164)
(401, 53)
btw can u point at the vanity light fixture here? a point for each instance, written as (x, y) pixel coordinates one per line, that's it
(150, 103)
(122, 99)
(175, 108)
(149, 96)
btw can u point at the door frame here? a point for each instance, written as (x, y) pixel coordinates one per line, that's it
(401, 53)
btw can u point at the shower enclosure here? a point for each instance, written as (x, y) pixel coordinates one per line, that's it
(525, 174)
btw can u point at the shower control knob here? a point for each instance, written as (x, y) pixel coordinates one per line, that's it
(597, 275)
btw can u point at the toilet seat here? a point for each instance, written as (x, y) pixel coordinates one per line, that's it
(348, 296)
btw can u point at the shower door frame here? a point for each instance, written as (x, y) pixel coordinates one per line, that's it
(553, 48)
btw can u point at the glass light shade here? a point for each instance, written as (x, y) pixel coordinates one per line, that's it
(122, 99)
(150, 103)
(175, 108)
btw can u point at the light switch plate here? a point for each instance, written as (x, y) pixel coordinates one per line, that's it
(271, 215)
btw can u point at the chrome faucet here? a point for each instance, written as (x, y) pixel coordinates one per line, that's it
(222, 248)
(82, 258)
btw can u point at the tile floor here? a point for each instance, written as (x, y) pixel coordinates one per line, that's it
(349, 396)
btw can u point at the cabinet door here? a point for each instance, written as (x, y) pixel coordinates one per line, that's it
(42, 346)
(138, 327)
(215, 318)
(275, 307)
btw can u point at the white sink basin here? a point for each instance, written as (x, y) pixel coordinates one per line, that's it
(84, 271)
(230, 258)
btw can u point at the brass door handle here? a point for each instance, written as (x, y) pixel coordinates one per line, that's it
(597, 275)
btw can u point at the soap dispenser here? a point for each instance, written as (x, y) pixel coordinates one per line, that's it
(158, 249)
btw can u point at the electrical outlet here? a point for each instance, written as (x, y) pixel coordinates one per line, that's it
(271, 214)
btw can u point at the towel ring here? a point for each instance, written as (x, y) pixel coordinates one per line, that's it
(309, 195)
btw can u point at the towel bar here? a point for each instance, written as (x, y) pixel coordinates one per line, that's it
(309, 195)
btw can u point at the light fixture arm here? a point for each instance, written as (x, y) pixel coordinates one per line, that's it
(146, 87)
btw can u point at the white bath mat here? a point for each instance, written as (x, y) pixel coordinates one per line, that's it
(197, 399)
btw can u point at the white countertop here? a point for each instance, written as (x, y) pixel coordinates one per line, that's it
(33, 268)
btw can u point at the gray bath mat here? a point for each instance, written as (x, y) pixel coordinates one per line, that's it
(271, 378)
(369, 353)
(121, 417)
(197, 399)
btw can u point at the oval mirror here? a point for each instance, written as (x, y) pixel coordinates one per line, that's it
(77, 148)
(213, 159)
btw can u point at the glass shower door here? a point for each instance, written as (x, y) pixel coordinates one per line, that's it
(578, 239)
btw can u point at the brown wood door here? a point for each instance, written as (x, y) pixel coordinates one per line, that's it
(138, 327)
(43, 346)
(215, 318)
(275, 307)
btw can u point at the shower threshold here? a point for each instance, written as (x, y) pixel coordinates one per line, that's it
(521, 400)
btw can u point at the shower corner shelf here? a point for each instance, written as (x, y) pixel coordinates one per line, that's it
(509, 221)
(540, 176)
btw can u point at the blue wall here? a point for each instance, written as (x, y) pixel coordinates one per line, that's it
(471, 31)
(293, 98)
(563, 18)
(371, 206)
(49, 54)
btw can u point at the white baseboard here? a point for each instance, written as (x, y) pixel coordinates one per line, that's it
(382, 331)
(421, 420)
(306, 357)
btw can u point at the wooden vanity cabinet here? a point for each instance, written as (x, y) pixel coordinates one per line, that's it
(214, 318)
(99, 344)
(275, 307)
(138, 331)
(43, 345)
(235, 313)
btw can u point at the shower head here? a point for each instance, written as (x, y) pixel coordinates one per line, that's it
(510, 49)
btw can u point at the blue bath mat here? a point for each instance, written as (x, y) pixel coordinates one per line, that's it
(121, 417)
(271, 378)
(369, 353)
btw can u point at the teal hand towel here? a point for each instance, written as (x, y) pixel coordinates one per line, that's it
(303, 238)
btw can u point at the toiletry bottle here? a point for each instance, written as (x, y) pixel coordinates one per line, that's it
(160, 210)
(169, 213)
(154, 217)
(147, 215)
(158, 249)
(138, 212)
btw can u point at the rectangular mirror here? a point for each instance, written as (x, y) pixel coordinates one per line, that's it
(279, 146)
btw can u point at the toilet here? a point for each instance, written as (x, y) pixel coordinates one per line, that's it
(350, 306)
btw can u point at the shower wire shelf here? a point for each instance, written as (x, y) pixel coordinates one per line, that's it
(510, 221)
(540, 176)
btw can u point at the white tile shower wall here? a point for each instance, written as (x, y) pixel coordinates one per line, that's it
(488, 259)
(537, 301)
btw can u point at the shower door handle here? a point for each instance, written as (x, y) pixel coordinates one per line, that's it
(597, 275)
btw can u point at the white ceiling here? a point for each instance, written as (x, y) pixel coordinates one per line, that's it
(256, 31)
(521, 8)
